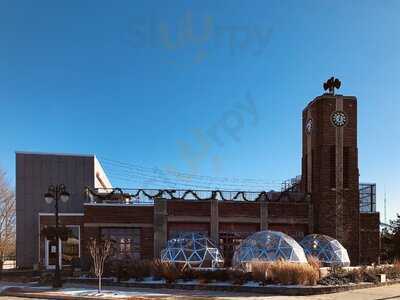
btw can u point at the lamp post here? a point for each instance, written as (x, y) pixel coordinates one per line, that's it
(56, 193)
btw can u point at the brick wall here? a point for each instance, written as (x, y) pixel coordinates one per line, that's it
(238, 209)
(188, 208)
(369, 238)
(235, 227)
(287, 210)
(146, 243)
(118, 214)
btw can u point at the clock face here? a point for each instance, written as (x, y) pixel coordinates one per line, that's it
(309, 126)
(339, 118)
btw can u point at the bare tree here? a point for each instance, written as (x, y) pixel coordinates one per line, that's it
(7, 218)
(99, 250)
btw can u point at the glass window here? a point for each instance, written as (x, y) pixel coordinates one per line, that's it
(70, 247)
(126, 241)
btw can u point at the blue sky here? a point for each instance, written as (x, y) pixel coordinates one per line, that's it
(206, 87)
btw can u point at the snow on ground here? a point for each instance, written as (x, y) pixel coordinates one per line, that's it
(75, 291)
(6, 285)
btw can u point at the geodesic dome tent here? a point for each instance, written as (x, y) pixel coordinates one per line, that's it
(192, 250)
(328, 250)
(268, 246)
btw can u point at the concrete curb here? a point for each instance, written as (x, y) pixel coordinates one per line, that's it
(266, 290)
(273, 290)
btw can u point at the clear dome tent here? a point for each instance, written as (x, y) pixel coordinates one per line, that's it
(268, 246)
(192, 250)
(328, 250)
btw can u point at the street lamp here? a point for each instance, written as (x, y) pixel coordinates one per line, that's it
(56, 193)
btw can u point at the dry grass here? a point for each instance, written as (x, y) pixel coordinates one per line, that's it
(285, 272)
(293, 273)
(314, 262)
(396, 264)
(259, 270)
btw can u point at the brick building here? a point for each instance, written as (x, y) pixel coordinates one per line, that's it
(325, 199)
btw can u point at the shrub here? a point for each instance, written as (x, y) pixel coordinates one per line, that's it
(221, 275)
(396, 269)
(334, 279)
(139, 269)
(356, 275)
(392, 272)
(239, 277)
(157, 269)
(293, 273)
(46, 278)
(337, 270)
(76, 263)
(170, 272)
(188, 274)
(85, 263)
(165, 270)
(205, 277)
(119, 269)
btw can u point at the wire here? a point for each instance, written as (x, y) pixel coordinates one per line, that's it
(182, 174)
(189, 182)
(122, 169)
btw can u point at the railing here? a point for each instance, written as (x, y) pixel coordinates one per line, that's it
(291, 185)
(367, 197)
(132, 196)
(147, 196)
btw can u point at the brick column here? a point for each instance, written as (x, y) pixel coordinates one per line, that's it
(214, 222)
(160, 225)
(339, 174)
(310, 215)
(309, 153)
(264, 213)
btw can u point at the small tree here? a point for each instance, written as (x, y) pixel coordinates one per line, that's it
(99, 250)
(7, 218)
(390, 241)
(396, 236)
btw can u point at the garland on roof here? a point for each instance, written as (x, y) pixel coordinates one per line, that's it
(170, 194)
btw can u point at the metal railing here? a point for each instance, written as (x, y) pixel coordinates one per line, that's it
(367, 197)
(146, 196)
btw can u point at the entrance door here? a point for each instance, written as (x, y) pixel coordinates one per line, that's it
(69, 249)
(51, 254)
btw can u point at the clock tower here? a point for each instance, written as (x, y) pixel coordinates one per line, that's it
(330, 166)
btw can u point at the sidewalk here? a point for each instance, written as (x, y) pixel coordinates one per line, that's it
(75, 291)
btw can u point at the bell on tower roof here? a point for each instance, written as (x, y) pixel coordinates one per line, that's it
(331, 84)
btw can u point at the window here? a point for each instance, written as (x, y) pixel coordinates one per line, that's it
(70, 247)
(125, 241)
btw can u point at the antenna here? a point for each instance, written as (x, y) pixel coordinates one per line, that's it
(384, 205)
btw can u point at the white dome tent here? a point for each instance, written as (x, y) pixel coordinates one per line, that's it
(192, 250)
(328, 250)
(269, 246)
